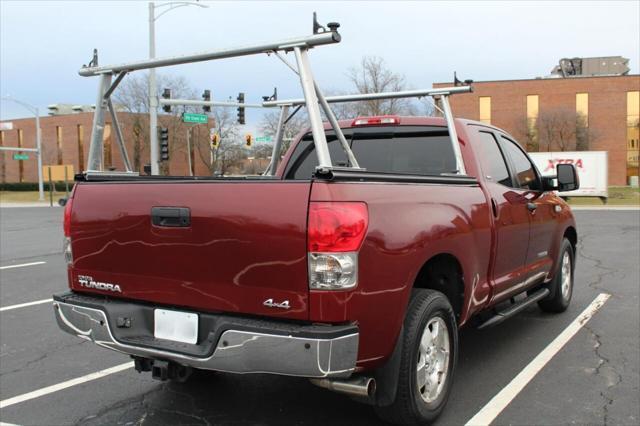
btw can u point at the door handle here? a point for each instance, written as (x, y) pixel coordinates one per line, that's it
(171, 217)
(532, 207)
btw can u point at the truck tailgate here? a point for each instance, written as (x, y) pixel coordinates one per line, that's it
(245, 244)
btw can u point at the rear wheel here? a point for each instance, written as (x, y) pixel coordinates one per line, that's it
(561, 288)
(429, 353)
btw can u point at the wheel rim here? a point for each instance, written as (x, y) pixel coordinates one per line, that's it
(566, 275)
(433, 359)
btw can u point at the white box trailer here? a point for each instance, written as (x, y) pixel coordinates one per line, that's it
(592, 167)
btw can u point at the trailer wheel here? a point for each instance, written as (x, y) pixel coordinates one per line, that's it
(429, 354)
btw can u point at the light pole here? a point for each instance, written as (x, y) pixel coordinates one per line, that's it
(36, 113)
(153, 95)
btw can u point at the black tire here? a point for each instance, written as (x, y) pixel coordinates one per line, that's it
(558, 300)
(410, 407)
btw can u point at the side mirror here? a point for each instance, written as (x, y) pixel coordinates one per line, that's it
(567, 177)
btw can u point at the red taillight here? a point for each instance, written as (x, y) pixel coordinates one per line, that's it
(67, 217)
(376, 121)
(336, 226)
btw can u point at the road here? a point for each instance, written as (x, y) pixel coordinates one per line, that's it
(593, 379)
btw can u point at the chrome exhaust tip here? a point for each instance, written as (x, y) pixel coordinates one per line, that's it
(355, 386)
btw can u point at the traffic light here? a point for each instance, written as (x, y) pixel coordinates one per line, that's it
(249, 139)
(164, 144)
(240, 109)
(166, 94)
(206, 95)
(215, 141)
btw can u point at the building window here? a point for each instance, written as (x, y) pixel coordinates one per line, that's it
(582, 121)
(106, 146)
(533, 143)
(633, 132)
(485, 109)
(80, 148)
(20, 163)
(59, 144)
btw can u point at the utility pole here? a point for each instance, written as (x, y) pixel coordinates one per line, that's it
(153, 96)
(39, 148)
(153, 89)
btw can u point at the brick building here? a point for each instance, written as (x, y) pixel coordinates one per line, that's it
(66, 139)
(598, 113)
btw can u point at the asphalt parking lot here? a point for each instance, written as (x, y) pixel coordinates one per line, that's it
(593, 379)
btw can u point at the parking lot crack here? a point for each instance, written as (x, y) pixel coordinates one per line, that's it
(140, 401)
(40, 358)
(606, 370)
(596, 284)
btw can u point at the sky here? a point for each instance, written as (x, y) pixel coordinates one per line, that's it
(44, 43)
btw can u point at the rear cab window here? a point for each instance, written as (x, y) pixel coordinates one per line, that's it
(419, 150)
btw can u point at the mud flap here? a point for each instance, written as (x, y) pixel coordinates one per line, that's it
(387, 376)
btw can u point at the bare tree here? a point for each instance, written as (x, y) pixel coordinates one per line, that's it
(132, 96)
(373, 76)
(230, 151)
(527, 132)
(584, 135)
(296, 124)
(556, 129)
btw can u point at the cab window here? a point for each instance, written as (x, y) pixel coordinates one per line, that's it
(494, 166)
(525, 171)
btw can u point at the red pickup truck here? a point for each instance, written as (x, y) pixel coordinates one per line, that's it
(357, 280)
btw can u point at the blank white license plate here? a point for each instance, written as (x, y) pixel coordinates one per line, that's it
(175, 325)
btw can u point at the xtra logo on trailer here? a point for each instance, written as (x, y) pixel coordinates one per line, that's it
(551, 164)
(590, 165)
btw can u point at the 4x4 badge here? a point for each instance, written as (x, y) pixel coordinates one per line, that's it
(271, 304)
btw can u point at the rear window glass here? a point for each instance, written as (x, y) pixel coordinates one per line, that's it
(304, 159)
(422, 153)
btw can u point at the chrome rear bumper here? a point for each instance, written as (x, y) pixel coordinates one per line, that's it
(236, 351)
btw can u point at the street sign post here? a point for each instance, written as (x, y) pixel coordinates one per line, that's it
(20, 156)
(263, 139)
(189, 117)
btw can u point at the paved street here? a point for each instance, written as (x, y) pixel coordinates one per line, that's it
(594, 379)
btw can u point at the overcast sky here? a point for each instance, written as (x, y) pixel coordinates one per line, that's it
(44, 43)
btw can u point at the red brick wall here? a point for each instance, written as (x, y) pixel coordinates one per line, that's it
(607, 109)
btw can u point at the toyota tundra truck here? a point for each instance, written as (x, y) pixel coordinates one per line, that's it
(358, 280)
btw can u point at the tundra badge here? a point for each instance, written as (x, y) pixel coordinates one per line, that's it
(271, 304)
(88, 282)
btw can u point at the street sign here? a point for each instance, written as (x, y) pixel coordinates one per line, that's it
(7, 125)
(20, 156)
(263, 139)
(189, 117)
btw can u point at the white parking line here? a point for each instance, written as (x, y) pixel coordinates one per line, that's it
(21, 265)
(489, 412)
(64, 385)
(24, 305)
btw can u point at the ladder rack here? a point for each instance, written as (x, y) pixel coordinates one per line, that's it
(314, 100)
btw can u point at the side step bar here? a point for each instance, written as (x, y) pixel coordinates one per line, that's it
(514, 308)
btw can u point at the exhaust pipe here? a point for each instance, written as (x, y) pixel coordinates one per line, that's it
(355, 386)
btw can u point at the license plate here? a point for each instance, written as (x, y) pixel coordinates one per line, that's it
(175, 325)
